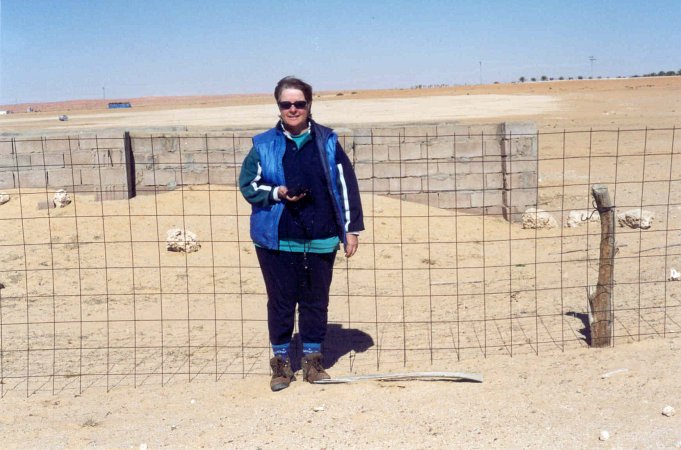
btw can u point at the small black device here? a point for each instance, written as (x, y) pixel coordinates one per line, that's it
(298, 190)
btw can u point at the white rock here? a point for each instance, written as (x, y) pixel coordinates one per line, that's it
(4, 198)
(318, 408)
(674, 275)
(604, 436)
(61, 198)
(668, 411)
(636, 218)
(578, 217)
(538, 218)
(179, 240)
(143, 446)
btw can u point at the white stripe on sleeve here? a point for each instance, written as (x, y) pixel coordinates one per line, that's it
(346, 201)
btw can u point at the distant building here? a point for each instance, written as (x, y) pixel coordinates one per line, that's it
(114, 105)
(4, 112)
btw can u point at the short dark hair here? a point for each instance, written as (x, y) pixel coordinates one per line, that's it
(293, 83)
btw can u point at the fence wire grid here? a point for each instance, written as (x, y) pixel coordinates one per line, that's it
(90, 295)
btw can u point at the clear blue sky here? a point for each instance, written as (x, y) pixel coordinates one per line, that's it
(69, 49)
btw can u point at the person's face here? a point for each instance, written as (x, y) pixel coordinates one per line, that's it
(294, 119)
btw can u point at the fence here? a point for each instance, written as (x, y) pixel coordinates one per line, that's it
(91, 296)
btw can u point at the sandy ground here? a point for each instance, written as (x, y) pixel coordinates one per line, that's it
(551, 394)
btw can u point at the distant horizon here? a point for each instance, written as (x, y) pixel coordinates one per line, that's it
(9, 106)
(59, 51)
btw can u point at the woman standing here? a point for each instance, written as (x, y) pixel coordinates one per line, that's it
(305, 202)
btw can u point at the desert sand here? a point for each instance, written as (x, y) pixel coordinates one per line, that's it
(554, 392)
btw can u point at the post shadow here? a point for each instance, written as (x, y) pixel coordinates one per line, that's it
(586, 331)
(338, 343)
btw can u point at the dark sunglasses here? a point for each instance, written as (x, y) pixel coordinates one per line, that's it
(300, 104)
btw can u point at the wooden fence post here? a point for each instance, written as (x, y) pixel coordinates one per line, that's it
(601, 301)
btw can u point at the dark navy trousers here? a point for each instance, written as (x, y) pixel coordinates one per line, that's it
(288, 283)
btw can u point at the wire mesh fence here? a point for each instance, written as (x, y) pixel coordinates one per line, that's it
(90, 294)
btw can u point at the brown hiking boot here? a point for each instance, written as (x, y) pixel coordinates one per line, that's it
(282, 375)
(313, 369)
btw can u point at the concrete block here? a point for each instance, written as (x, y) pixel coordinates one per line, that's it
(470, 181)
(439, 182)
(468, 148)
(23, 146)
(492, 148)
(423, 198)
(362, 136)
(419, 169)
(223, 176)
(6, 147)
(380, 186)
(165, 160)
(140, 144)
(8, 180)
(117, 142)
(84, 158)
(60, 178)
(220, 143)
(481, 199)
(522, 198)
(364, 185)
(510, 129)
(421, 131)
(522, 180)
(365, 152)
(25, 162)
(193, 142)
(452, 200)
(113, 176)
(494, 181)
(165, 144)
(160, 178)
(491, 166)
(364, 171)
(217, 158)
(60, 144)
(194, 177)
(387, 169)
(409, 151)
(54, 160)
(437, 148)
(31, 179)
(405, 185)
(387, 136)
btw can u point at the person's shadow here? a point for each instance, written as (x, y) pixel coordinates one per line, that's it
(338, 343)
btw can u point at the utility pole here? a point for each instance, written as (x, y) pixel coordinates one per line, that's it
(591, 60)
(480, 63)
(103, 93)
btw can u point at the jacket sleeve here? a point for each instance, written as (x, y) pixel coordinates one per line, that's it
(353, 218)
(256, 190)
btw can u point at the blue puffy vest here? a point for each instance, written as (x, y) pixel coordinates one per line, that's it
(271, 146)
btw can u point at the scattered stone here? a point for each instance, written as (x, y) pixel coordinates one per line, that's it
(636, 218)
(61, 199)
(4, 198)
(318, 409)
(668, 411)
(143, 446)
(179, 240)
(538, 218)
(578, 217)
(604, 435)
(674, 275)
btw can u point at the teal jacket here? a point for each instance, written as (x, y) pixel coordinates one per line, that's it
(262, 171)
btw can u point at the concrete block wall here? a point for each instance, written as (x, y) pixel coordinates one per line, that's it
(489, 168)
(79, 162)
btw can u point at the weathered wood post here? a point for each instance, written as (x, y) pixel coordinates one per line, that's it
(601, 301)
